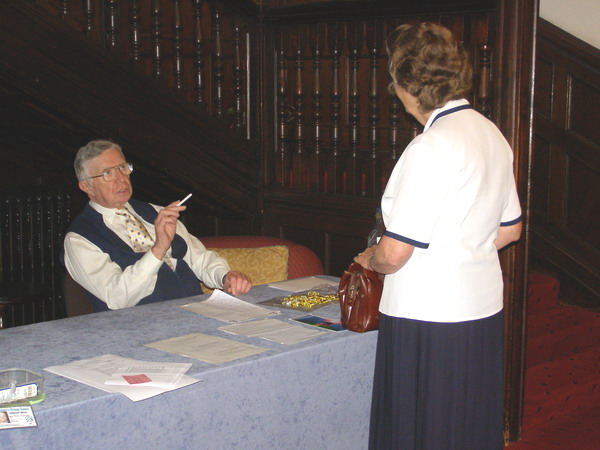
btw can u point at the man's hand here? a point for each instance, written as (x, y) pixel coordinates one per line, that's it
(236, 283)
(165, 225)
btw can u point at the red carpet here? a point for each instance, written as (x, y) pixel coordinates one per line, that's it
(562, 381)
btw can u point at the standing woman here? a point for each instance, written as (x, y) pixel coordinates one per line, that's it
(450, 205)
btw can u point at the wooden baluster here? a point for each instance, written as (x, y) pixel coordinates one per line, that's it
(64, 8)
(219, 65)
(481, 53)
(355, 42)
(248, 97)
(374, 38)
(484, 105)
(134, 31)
(395, 115)
(199, 45)
(316, 168)
(384, 180)
(112, 37)
(414, 128)
(88, 16)
(335, 171)
(238, 80)
(156, 39)
(281, 161)
(395, 111)
(299, 159)
(177, 46)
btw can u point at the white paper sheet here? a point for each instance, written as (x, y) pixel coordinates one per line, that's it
(303, 284)
(273, 330)
(224, 307)
(96, 371)
(158, 375)
(208, 348)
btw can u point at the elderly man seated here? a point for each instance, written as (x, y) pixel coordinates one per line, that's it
(125, 252)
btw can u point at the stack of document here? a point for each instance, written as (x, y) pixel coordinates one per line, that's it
(133, 378)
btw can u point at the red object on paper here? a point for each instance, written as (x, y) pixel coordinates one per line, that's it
(136, 379)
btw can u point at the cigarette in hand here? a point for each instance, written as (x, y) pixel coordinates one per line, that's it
(184, 200)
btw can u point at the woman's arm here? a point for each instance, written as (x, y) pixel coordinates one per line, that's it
(389, 256)
(508, 234)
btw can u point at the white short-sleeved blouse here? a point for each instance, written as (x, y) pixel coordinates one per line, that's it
(449, 193)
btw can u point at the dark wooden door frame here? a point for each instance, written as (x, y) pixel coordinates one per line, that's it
(513, 84)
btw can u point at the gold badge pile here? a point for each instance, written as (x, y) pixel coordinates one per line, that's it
(308, 300)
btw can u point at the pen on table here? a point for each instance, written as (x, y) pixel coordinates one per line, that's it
(184, 200)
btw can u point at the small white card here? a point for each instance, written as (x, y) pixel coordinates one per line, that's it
(17, 417)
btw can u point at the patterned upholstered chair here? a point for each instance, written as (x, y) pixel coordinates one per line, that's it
(266, 259)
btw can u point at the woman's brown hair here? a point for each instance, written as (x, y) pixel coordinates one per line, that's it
(426, 60)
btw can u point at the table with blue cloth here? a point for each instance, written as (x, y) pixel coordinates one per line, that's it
(314, 394)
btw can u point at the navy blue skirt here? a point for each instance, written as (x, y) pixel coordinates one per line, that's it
(438, 385)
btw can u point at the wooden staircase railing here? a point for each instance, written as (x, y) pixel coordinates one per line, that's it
(309, 86)
(199, 49)
(176, 147)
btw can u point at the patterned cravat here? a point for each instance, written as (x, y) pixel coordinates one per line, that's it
(141, 240)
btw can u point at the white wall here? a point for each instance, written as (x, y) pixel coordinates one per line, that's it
(581, 18)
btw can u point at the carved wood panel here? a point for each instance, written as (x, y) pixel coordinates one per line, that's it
(566, 169)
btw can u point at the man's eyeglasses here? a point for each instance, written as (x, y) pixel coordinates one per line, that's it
(111, 174)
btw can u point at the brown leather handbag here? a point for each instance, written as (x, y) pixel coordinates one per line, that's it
(359, 293)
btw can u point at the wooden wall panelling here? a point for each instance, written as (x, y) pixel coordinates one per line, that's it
(325, 225)
(33, 223)
(566, 169)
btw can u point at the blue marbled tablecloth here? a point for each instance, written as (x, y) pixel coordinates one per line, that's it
(311, 395)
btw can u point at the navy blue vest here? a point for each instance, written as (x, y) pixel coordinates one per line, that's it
(181, 283)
